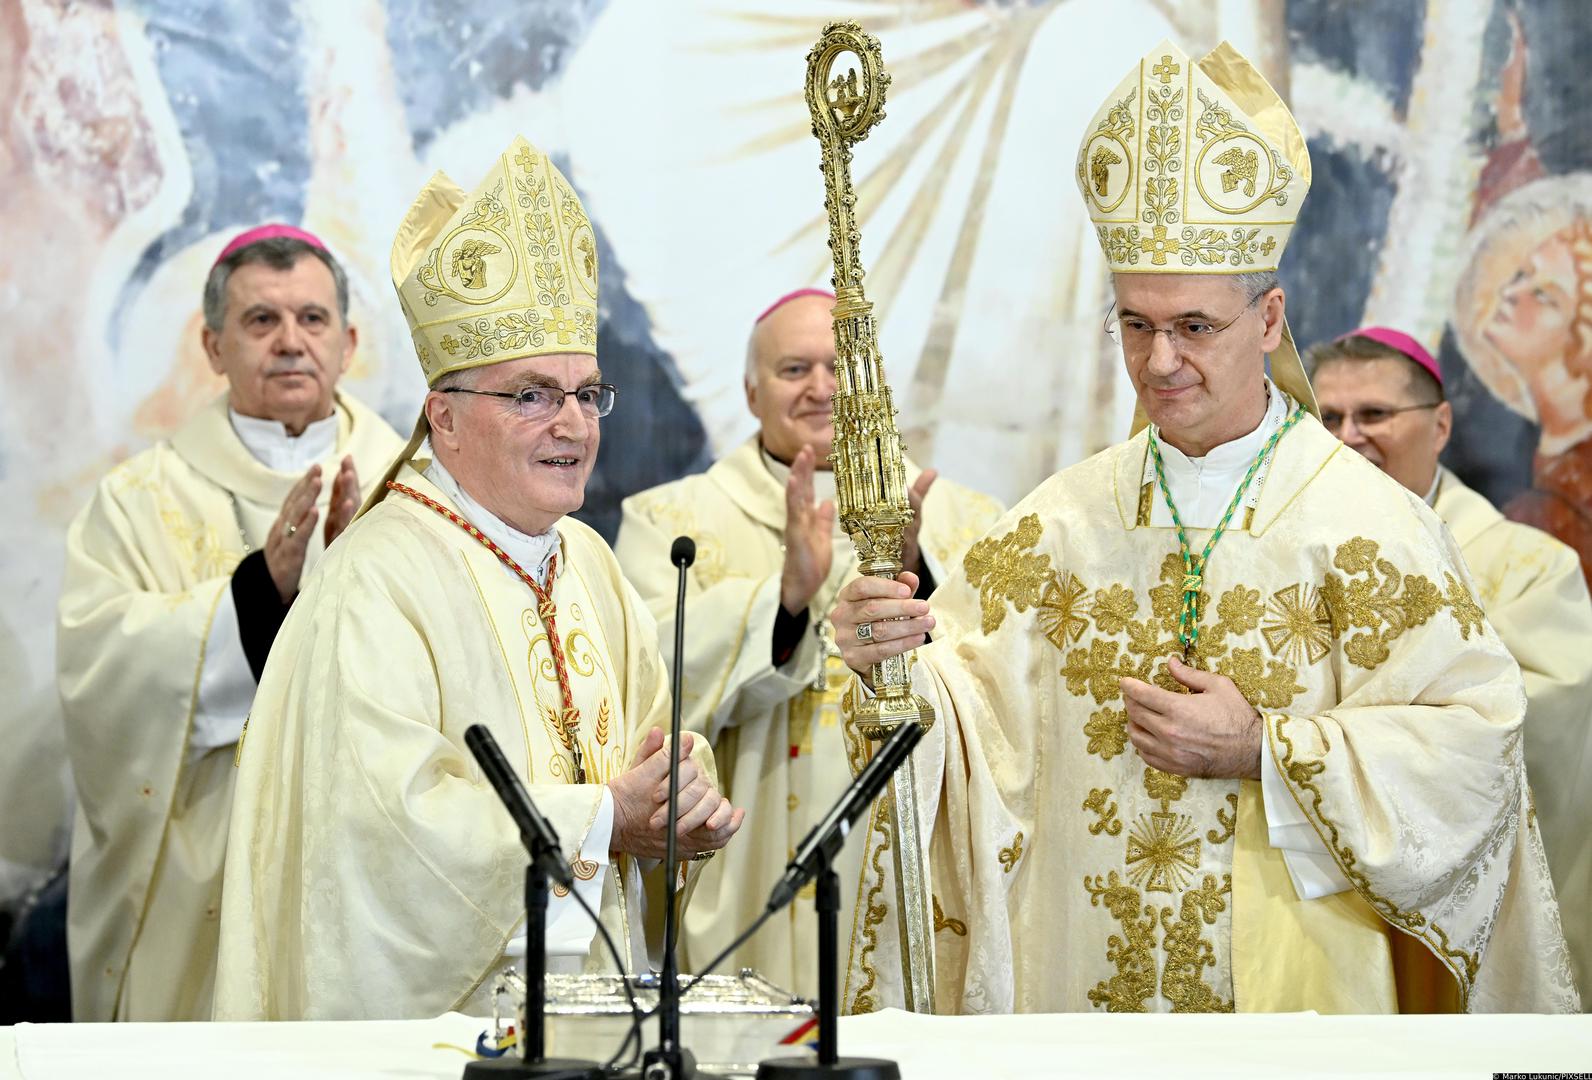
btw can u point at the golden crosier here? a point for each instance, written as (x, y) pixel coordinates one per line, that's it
(870, 475)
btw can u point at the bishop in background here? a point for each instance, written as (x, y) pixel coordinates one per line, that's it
(762, 674)
(179, 573)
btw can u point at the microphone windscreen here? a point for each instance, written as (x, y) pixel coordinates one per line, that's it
(683, 551)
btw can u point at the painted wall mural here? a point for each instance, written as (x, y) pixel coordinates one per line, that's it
(1452, 197)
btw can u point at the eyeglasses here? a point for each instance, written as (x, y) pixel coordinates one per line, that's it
(1370, 417)
(541, 402)
(1187, 335)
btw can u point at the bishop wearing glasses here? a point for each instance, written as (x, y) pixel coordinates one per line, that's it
(1221, 722)
(371, 871)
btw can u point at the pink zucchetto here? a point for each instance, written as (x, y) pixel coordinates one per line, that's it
(788, 297)
(1400, 342)
(269, 232)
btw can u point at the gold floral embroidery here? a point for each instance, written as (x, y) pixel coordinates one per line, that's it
(1386, 602)
(1005, 569)
(710, 567)
(1188, 954)
(1467, 613)
(1010, 855)
(1163, 851)
(605, 712)
(1164, 786)
(1297, 626)
(1265, 684)
(1099, 801)
(955, 926)
(1098, 670)
(1108, 733)
(208, 557)
(1132, 951)
(1113, 608)
(1239, 609)
(1228, 820)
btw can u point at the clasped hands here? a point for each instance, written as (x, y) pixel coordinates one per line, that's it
(641, 804)
(1211, 732)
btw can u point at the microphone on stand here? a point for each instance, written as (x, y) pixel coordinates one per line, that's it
(822, 843)
(669, 1060)
(547, 861)
(536, 832)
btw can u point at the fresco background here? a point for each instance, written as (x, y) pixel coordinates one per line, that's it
(1451, 145)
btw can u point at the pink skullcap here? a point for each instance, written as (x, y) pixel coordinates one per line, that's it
(1401, 342)
(269, 232)
(788, 297)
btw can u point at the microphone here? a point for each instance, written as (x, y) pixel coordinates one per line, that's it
(535, 832)
(821, 845)
(670, 1060)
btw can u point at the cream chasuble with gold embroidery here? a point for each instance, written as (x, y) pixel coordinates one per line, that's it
(371, 870)
(782, 750)
(1068, 876)
(147, 563)
(1531, 587)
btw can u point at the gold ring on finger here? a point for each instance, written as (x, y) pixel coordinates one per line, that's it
(865, 631)
(291, 529)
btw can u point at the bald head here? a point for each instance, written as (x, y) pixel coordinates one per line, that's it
(790, 376)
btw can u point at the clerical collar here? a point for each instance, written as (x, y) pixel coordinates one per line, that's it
(533, 553)
(268, 442)
(823, 479)
(1431, 492)
(1202, 487)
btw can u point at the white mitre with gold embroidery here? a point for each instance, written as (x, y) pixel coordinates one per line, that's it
(1197, 168)
(507, 271)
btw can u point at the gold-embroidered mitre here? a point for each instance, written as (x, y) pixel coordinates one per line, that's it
(1197, 168)
(506, 271)
(1193, 168)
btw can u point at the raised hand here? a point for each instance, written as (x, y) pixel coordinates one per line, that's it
(809, 536)
(289, 538)
(345, 500)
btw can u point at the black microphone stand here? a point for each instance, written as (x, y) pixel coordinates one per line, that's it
(669, 1060)
(542, 845)
(818, 852)
(830, 1065)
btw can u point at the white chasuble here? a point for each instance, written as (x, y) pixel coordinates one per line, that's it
(1068, 876)
(778, 735)
(371, 870)
(147, 563)
(1531, 587)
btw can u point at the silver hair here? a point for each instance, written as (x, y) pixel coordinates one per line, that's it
(277, 252)
(454, 380)
(751, 355)
(1256, 283)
